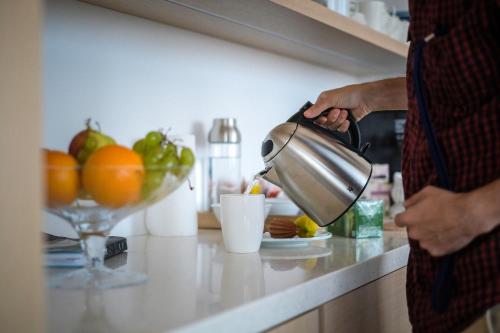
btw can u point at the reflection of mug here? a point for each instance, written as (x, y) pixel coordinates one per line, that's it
(242, 221)
(375, 14)
(242, 279)
(172, 266)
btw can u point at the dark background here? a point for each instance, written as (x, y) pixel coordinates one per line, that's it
(384, 131)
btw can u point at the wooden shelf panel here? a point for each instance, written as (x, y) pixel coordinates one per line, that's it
(345, 24)
(300, 29)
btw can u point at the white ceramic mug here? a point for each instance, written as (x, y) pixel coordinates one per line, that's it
(242, 221)
(340, 6)
(375, 13)
(355, 14)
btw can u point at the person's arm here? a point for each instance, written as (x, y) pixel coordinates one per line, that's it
(360, 99)
(444, 222)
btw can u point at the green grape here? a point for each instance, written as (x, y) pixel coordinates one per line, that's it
(139, 146)
(153, 139)
(152, 181)
(153, 156)
(171, 149)
(169, 162)
(187, 157)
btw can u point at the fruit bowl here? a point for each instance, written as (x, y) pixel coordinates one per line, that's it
(112, 184)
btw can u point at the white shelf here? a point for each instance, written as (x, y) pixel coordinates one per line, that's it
(300, 29)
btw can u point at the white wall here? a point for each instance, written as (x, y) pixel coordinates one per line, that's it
(134, 75)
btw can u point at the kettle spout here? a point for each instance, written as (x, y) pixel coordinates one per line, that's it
(270, 175)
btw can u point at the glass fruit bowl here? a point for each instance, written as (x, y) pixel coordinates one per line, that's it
(96, 197)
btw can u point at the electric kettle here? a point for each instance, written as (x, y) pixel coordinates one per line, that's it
(319, 171)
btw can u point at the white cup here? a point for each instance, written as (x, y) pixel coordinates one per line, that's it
(359, 17)
(375, 13)
(340, 6)
(356, 15)
(242, 221)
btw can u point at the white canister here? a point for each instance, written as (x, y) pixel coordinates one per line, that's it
(176, 214)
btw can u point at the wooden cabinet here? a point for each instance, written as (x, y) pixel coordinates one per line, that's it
(300, 29)
(20, 171)
(379, 306)
(308, 322)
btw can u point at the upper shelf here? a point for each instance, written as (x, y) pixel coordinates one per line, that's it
(300, 29)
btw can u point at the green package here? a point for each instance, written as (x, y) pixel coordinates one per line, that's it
(364, 219)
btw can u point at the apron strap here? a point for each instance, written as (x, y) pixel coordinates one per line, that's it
(442, 286)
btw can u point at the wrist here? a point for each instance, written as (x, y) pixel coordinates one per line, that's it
(388, 94)
(480, 218)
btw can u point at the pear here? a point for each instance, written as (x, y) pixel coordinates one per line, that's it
(87, 141)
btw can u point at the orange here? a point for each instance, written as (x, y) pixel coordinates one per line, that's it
(61, 178)
(113, 176)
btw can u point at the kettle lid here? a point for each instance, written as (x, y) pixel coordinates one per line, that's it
(277, 140)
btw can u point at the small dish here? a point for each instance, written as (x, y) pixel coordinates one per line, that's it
(284, 207)
(268, 241)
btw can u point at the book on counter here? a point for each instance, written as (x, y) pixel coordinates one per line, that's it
(65, 252)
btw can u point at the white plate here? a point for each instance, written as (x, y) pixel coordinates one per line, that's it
(281, 253)
(268, 241)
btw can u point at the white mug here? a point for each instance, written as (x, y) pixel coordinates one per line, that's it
(242, 221)
(355, 14)
(375, 13)
(340, 6)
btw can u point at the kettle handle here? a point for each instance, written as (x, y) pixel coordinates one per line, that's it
(353, 130)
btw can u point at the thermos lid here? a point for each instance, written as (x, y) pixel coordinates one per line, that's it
(224, 130)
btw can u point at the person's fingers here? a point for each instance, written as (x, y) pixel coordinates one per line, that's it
(344, 127)
(340, 119)
(325, 101)
(421, 234)
(321, 120)
(401, 220)
(332, 117)
(427, 191)
(414, 199)
(435, 250)
(414, 233)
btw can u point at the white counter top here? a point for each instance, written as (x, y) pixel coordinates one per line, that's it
(195, 286)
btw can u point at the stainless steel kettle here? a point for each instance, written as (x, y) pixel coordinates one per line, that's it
(315, 167)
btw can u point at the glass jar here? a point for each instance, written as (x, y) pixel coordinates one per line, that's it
(224, 162)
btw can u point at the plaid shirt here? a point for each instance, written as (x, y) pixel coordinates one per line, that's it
(461, 74)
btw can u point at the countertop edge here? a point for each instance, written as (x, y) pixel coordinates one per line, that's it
(268, 311)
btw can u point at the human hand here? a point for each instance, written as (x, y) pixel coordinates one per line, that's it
(442, 221)
(360, 99)
(340, 100)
